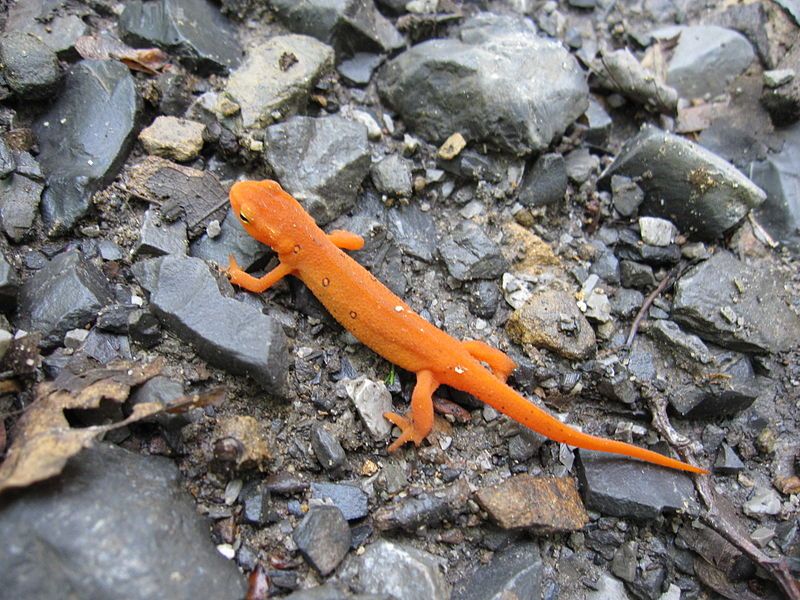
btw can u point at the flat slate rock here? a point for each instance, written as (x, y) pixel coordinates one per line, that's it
(195, 196)
(30, 66)
(468, 253)
(276, 78)
(67, 293)
(192, 30)
(232, 240)
(347, 25)
(227, 333)
(744, 308)
(702, 194)
(514, 572)
(114, 525)
(84, 138)
(485, 86)
(20, 197)
(623, 487)
(323, 537)
(319, 161)
(402, 571)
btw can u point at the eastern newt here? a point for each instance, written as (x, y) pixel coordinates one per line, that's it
(386, 324)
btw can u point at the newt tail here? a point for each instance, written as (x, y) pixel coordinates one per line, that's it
(386, 324)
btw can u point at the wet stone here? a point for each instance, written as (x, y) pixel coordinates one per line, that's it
(98, 96)
(626, 303)
(7, 162)
(622, 487)
(706, 59)
(414, 231)
(392, 176)
(9, 284)
(580, 164)
(106, 347)
(428, 509)
(321, 162)
(468, 253)
(541, 504)
(358, 70)
(327, 449)
(552, 320)
(606, 267)
(232, 335)
(265, 91)
(132, 535)
(192, 30)
(514, 572)
(348, 26)
(728, 462)
(173, 138)
(232, 240)
(469, 164)
(761, 319)
(626, 195)
(483, 299)
(624, 563)
(157, 238)
(371, 400)
(598, 123)
(59, 33)
(702, 194)
(323, 538)
(545, 181)
(256, 503)
(402, 571)
(30, 67)
(65, 294)
(783, 101)
(19, 204)
(637, 275)
(347, 498)
(490, 66)
(763, 502)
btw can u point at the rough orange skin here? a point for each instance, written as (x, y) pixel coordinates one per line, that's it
(386, 324)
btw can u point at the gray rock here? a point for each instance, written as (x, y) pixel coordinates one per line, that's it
(392, 176)
(230, 334)
(9, 284)
(30, 66)
(685, 344)
(545, 182)
(323, 537)
(783, 102)
(65, 294)
(477, 166)
(606, 588)
(580, 165)
(358, 70)
(486, 87)
(706, 59)
(327, 449)
(402, 571)
(636, 275)
(347, 498)
(427, 509)
(752, 21)
(778, 176)
(58, 31)
(657, 232)
(232, 239)
(347, 25)
(468, 253)
(606, 267)
(484, 298)
(106, 347)
(99, 97)
(728, 462)
(763, 502)
(622, 487)
(598, 123)
(371, 400)
(699, 192)
(630, 247)
(778, 77)
(721, 288)
(192, 30)
(414, 231)
(7, 162)
(515, 572)
(626, 303)
(626, 195)
(19, 204)
(173, 138)
(157, 237)
(620, 71)
(321, 162)
(625, 562)
(265, 90)
(90, 516)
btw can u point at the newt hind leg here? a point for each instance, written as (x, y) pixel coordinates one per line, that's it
(499, 362)
(418, 422)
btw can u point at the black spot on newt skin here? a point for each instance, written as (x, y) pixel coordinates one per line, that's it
(353, 314)
(325, 282)
(296, 249)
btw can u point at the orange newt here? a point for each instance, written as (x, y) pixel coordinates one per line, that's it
(386, 324)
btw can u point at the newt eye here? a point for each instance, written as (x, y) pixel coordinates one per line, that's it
(243, 218)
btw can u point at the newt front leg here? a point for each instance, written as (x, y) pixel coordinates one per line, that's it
(255, 284)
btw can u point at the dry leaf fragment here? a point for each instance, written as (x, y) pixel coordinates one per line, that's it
(43, 440)
(103, 47)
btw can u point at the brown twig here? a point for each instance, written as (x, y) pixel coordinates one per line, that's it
(778, 569)
(668, 279)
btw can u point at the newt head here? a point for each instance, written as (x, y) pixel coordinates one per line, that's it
(267, 212)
